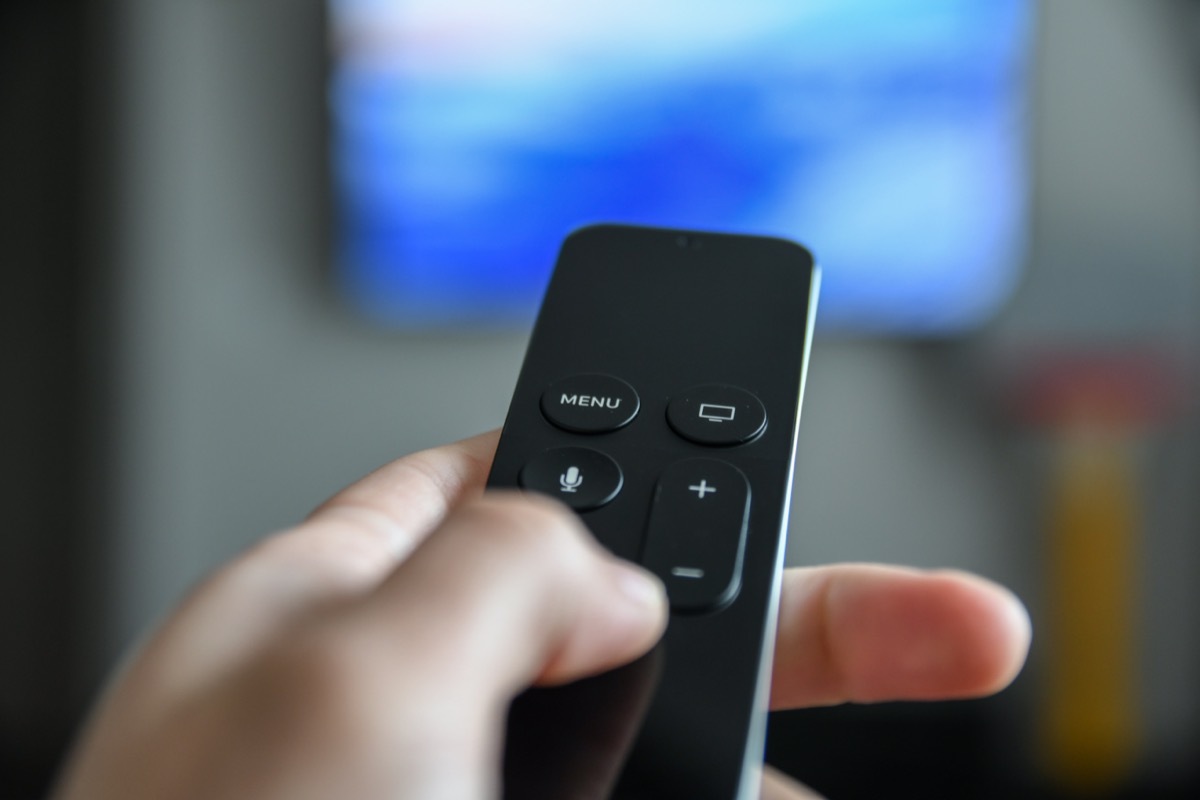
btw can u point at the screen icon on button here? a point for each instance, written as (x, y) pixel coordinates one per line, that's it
(715, 413)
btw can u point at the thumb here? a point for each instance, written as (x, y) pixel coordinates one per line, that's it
(513, 590)
(508, 592)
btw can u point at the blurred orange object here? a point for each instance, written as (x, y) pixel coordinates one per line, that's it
(1096, 409)
(1091, 707)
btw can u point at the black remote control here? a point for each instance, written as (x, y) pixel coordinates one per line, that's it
(660, 398)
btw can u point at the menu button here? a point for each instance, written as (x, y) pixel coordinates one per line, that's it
(590, 403)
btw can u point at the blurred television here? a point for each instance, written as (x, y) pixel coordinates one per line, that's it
(470, 137)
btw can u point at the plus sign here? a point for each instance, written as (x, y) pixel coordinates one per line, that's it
(702, 488)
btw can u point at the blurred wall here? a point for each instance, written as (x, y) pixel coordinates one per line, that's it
(1114, 269)
(45, 432)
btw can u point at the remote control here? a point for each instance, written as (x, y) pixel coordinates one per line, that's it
(659, 398)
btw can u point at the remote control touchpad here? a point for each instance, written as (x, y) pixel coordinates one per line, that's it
(697, 533)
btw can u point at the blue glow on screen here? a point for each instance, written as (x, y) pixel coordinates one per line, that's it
(471, 136)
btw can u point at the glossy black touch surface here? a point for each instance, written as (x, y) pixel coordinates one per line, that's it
(666, 314)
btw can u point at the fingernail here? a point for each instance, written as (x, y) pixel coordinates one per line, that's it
(639, 586)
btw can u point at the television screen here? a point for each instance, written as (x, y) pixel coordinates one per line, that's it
(470, 137)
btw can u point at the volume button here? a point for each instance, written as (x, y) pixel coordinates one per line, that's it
(697, 533)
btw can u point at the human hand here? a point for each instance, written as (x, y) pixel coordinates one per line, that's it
(372, 651)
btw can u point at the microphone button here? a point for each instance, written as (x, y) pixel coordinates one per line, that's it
(579, 476)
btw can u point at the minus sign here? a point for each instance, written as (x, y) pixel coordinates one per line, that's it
(687, 572)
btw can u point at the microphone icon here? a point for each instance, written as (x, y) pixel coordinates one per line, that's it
(571, 479)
